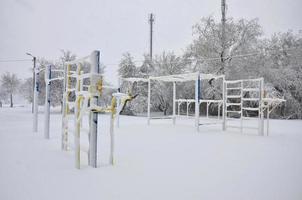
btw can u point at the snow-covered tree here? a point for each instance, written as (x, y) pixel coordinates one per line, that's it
(241, 35)
(9, 84)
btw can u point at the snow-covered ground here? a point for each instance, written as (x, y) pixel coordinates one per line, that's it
(160, 161)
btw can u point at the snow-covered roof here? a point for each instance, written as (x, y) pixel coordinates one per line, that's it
(176, 77)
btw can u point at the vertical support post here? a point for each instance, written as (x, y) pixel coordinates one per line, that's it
(36, 93)
(95, 68)
(47, 101)
(174, 97)
(77, 107)
(241, 105)
(178, 108)
(224, 93)
(261, 111)
(197, 102)
(118, 102)
(111, 157)
(267, 120)
(188, 109)
(64, 138)
(149, 98)
(219, 106)
(208, 109)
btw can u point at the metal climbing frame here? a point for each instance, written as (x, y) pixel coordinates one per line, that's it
(85, 101)
(239, 95)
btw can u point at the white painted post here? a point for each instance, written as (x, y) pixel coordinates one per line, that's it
(219, 106)
(149, 98)
(95, 68)
(241, 105)
(224, 104)
(47, 101)
(64, 109)
(197, 103)
(118, 102)
(111, 157)
(208, 109)
(267, 120)
(260, 107)
(174, 97)
(36, 93)
(188, 109)
(77, 105)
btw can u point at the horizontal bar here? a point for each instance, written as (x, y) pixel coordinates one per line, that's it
(235, 88)
(252, 109)
(250, 99)
(251, 89)
(233, 111)
(233, 96)
(233, 104)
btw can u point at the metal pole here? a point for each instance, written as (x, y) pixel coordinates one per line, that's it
(149, 98)
(36, 92)
(151, 21)
(95, 68)
(111, 158)
(47, 101)
(77, 108)
(174, 97)
(224, 104)
(34, 77)
(197, 103)
(65, 109)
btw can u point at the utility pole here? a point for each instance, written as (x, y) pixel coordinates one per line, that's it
(223, 20)
(34, 77)
(151, 21)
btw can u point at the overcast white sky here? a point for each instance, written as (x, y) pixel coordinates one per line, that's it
(116, 26)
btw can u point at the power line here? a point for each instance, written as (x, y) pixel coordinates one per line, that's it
(15, 60)
(204, 59)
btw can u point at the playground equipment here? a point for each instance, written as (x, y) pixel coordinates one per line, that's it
(248, 96)
(84, 100)
(239, 99)
(80, 104)
(196, 77)
(236, 96)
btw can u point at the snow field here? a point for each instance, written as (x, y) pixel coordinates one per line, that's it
(160, 161)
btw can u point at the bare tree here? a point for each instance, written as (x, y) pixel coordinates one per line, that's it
(10, 83)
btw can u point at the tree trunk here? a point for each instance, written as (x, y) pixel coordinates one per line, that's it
(11, 100)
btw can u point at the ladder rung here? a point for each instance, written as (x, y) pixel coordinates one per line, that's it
(251, 89)
(234, 88)
(71, 90)
(233, 104)
(233, 111)
(233, 96)
(250, 99)
(246, 108)
(232, 82)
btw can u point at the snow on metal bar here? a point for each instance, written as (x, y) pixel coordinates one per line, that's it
(133, 79)
(176, 77)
